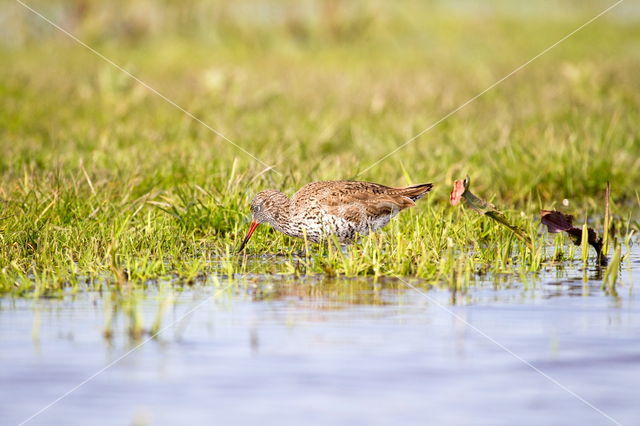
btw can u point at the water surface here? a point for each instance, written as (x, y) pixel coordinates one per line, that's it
(313, 351)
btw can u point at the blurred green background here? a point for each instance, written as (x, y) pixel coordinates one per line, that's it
(322, 89)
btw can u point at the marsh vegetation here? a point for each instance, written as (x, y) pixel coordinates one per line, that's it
(102, 182)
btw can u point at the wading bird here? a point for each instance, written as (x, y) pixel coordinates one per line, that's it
(345, 209)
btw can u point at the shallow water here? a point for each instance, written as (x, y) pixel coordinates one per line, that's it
(340, 352)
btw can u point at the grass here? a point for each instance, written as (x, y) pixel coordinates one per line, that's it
(103, 182)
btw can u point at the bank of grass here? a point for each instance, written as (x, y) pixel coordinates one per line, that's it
(103, 182)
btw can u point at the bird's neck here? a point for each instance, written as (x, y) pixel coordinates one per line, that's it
(279, 212)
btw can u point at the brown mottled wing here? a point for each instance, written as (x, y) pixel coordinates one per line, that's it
(355, 208)
(358, 201)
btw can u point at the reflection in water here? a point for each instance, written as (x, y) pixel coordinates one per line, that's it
(314, 350)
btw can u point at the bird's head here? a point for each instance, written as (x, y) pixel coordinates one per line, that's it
(264, 209)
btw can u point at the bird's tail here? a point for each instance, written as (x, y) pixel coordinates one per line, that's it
(415, 192)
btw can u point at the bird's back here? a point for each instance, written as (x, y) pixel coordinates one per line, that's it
(345, 208)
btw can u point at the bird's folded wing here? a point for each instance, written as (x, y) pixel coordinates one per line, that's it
(360, 206)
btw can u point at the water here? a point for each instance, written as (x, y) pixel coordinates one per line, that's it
(346, 352)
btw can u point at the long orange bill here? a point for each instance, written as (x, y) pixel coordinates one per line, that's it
(252, 228)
